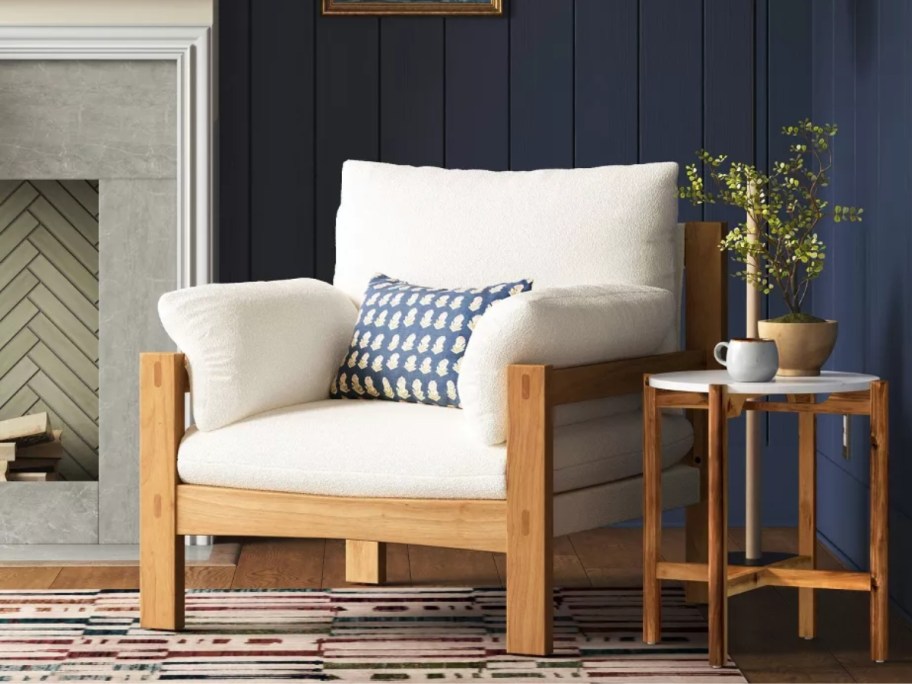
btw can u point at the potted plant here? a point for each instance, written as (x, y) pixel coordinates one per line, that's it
(778, 242)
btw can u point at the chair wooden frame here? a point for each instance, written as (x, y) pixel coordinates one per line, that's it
(521, 525)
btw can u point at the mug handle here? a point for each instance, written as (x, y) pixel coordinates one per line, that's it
(717, 352)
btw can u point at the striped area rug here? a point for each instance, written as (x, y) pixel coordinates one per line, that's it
(356, 635)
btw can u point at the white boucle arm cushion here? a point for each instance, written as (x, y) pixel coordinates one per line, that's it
(254, 347)
(563, 327)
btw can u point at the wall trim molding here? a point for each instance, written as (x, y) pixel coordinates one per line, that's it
(190, 49)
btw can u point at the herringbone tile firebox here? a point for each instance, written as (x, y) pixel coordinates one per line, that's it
(49, 311)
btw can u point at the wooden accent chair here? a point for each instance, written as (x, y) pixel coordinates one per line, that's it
(522, 525)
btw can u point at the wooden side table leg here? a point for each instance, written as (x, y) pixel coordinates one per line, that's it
(652, 515)
(807, 513)
(718, 532)
(880, 436)
(695, 526)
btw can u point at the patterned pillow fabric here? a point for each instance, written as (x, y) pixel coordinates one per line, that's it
(409, 340)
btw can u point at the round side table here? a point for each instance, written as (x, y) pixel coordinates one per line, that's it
(714, 392)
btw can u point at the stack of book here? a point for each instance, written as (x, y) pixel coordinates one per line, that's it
(30, 451)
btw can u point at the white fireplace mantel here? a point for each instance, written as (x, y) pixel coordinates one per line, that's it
(189, 47)
(174, 175)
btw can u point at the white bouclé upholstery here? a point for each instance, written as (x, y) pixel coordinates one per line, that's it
(560, 227)
(563, 327)
(389, 449)
(253, 347)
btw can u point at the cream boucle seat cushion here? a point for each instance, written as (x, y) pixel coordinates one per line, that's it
(388, 449)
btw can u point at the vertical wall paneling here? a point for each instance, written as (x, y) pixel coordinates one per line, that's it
(829, 441)
(863, 80)
(671, 84)
(606, 78)
(904, 378)
(233, 135)
(728, 102)
(541, 85)
(411, 90)
(477, 95)
(844, 275)
(847, 67)
(887, 229)
(890, 301)
(761, 76)
(728, 128)
(844, 183)
(850, 241)
(282, 130)
(789, 82)
(347, 116)
(789, 99)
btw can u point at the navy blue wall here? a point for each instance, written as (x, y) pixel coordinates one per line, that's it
(553, 83)
(565, 83)
(862, 79)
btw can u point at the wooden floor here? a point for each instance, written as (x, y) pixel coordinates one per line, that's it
(763, 639)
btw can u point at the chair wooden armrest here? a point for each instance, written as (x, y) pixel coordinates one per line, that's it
(613, 378)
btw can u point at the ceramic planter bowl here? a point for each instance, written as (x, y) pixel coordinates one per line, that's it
(803, 347)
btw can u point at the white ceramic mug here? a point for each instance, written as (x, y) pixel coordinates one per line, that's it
(748, 359)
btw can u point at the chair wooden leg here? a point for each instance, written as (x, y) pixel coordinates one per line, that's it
(530, 604)
(161, 582)
(652, 515)
(161, 576)
(807, 514)
(365, 562)
(880, 435)
(696, 540)
(718, 528)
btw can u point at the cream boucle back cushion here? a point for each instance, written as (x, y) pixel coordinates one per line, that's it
(559, 227)
(254, 347)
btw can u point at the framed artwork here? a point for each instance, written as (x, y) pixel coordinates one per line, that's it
(432, 7)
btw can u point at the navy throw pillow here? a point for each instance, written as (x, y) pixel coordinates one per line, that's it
(409, 340)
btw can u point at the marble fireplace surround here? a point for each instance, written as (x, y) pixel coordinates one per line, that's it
(129, 106)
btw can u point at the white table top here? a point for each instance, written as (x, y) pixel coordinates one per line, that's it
(828, 382)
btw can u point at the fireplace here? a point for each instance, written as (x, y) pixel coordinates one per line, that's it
(104, 205)
(49, 322)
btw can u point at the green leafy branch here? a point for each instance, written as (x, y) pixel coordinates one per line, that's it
(783, 204)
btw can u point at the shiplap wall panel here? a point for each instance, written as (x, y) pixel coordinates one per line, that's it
(862, 80)
(671, 113)
(282, 201)
(233, 134)
(347, 107)
(49, 311)
(412, 90)
(477, 97)
(541, 85)
(606, 80)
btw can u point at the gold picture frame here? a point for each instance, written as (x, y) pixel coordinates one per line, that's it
(414, 7)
